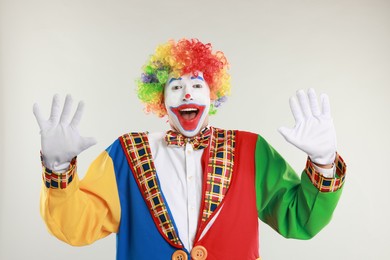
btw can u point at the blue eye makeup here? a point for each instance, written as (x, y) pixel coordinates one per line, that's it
(198, 77)
(173, 79)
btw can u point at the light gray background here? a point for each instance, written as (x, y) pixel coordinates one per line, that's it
(94, 50)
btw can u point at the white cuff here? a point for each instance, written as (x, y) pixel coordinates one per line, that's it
(327, 173)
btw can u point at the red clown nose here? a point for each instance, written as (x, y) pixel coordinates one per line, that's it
(187, 96)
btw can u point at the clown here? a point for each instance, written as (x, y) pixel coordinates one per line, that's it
(187, 101)
(195, 192)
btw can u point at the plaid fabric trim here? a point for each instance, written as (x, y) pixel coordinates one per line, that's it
(55, 180)
(219, 170)
(138, 151)
(327, 184)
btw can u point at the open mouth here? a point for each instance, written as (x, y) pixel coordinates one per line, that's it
(188, 115)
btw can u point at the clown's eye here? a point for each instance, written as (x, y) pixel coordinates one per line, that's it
(197, 86)
(176, 87)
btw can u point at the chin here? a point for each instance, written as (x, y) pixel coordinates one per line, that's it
(188, 133)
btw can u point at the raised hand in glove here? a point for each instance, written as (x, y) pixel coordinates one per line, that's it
(60, 138)
(313, 132)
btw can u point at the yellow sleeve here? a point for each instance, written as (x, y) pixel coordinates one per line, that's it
(81, 212)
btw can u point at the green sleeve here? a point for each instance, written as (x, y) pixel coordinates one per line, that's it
(294, 207)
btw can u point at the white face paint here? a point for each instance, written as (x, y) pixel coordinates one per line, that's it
(187, 100)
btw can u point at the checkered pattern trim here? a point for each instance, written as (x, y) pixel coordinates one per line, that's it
(327, 184)
(140, 160)
(199, 141)
(219, 170)
(55, 180)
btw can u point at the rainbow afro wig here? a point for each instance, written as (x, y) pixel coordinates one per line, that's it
(187, 56)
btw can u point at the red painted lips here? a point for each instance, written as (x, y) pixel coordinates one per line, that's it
(188, 115)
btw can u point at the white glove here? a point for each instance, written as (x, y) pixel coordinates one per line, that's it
(313, 132)
(60, 139)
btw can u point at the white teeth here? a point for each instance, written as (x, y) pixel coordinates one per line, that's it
(188, 110)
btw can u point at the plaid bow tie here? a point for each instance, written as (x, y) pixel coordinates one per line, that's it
(199, 141)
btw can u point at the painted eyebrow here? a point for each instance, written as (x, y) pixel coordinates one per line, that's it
(198, 77)
(173, 79)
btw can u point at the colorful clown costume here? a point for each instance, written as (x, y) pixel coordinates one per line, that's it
(242, 178)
